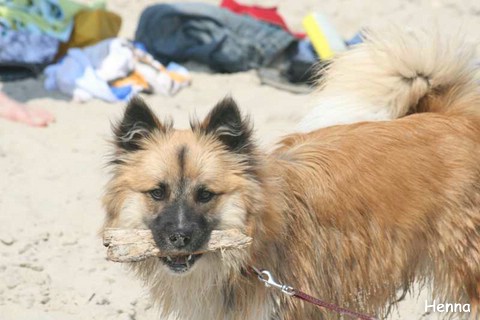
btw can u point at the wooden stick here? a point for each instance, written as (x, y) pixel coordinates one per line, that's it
(133, 245)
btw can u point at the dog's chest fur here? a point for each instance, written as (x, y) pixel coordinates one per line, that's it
(207, 294)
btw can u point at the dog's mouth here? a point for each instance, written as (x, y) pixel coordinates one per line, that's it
(182, 263)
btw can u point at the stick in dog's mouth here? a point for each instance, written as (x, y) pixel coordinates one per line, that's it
(133, 245)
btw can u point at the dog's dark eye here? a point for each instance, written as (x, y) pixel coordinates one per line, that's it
(159, 193)
(204, 195)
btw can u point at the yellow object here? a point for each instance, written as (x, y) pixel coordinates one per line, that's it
(323, 36)
(90, 27)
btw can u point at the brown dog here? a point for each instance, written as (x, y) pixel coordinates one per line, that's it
(350, 214)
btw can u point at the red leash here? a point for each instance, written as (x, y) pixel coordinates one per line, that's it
(267, 278)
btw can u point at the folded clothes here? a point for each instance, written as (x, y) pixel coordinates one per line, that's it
(52, 17)
(165, 80)
(26, 47)
(225, 41)
(84, 73)
(112, 70)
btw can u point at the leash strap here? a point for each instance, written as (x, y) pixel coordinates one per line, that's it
(266, 277)
(305, 297)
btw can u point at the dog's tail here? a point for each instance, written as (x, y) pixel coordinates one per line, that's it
(393, 74)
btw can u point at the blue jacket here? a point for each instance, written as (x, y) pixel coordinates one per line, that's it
(225, 41)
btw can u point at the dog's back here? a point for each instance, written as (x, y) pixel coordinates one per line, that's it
(390, 202)
(382, 204)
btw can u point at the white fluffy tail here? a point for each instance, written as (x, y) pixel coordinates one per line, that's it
(395, 73)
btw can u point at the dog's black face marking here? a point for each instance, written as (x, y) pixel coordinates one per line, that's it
(181, 230)
(181, 163)
(179, 218)
(181, 159)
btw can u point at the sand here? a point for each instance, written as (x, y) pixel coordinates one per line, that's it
(52, 263)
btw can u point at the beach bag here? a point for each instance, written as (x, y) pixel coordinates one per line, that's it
(91, 27)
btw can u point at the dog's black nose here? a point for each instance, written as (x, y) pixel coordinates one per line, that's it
(179, 239)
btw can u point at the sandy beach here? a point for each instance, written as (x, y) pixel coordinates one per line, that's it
(52, 262)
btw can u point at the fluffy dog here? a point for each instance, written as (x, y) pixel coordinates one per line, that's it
(351, 213)
(387, 76)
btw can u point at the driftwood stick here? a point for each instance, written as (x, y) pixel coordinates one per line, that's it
(133, 245)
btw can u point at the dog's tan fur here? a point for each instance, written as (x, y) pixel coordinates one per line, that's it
(351, 214)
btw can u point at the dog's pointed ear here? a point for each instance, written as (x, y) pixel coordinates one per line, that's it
(138, 123)
(225, 122)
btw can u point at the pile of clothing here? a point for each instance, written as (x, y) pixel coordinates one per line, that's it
(79, 44)
(86, 59)
(31, 33)
(233, 37)
(113, 70)
(218, 37)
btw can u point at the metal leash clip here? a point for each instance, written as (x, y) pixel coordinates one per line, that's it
(266, 277)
